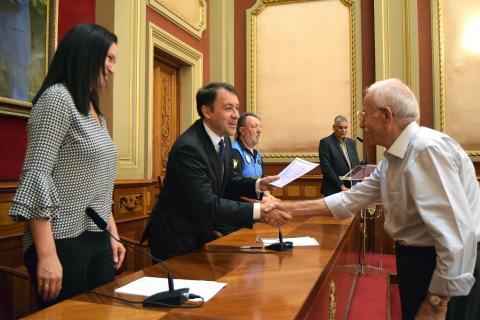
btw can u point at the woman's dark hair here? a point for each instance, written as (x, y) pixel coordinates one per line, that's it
(77, 63)
(207, 95)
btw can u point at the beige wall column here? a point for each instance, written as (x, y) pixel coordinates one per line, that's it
(221, 40)
(128, 92)
(396, 44)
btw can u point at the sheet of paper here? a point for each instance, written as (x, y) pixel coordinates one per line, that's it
(294, 170)
(297, 242)
(148, 286)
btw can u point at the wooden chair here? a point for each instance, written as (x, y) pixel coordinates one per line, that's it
(17, 293)
(134, 261)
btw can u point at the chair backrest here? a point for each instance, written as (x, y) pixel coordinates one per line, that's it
(17, 293)
(135, 261)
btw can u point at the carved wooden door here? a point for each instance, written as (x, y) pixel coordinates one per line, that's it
(166, 113)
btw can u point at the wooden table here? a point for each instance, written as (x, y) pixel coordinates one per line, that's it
(306, 283)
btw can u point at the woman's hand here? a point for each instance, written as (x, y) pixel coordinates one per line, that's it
(118, 251)
(49, 268)
(49, 277)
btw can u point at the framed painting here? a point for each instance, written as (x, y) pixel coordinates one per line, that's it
(456, 65)
(28, 29)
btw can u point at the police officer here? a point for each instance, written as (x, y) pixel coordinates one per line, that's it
(246, 159)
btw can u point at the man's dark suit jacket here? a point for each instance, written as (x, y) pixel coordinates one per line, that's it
(192, 199)
(334, 164)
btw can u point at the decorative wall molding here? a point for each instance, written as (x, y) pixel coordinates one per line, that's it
(179, 16)
(131, 202)
(260, 11)
(439, 70)
(129, 89)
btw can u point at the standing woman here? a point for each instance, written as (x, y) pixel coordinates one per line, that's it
(69, 166)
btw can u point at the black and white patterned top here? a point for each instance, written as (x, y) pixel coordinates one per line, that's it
(70, 165)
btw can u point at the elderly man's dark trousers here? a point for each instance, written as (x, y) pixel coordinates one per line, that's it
(415, 266)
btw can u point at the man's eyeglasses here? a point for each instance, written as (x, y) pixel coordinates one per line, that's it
(362, 114)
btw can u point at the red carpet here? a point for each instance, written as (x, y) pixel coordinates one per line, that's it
(370, 298)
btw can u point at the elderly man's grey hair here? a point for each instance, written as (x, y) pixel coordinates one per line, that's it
(340, 118)
(395, 94)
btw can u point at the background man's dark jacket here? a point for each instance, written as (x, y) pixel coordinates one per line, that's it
(334, 164)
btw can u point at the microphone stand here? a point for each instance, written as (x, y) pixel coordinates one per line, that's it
(280, 245)
(370, 210)
(173, 297)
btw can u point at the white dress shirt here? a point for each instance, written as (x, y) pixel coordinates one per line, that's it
(215, 140)
(428, 188)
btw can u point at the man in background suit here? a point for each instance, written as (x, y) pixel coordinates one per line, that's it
(198, 178)
(338, 155)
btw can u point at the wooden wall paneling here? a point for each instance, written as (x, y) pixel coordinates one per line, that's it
(133, 230)
(11, 232)
(17, 294)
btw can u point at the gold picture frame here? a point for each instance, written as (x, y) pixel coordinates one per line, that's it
(445, 121)
(289, 148)
(40, 43)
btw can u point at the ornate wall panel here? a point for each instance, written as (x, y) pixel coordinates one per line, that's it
(456, 46)
(191, 15)
(129, 89)
(302, 66)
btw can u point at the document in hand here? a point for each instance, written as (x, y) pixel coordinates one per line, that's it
(294, 170)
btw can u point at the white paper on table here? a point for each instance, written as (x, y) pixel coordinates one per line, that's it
(297, 242)
(294, 170)
(148, 286)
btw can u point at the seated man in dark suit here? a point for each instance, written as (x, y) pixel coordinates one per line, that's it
(338, 155)
(198, 177)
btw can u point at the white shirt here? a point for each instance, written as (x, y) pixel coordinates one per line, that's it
(215, 140)
(431, 197)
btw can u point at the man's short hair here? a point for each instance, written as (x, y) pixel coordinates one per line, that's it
(395, 94)
(340, 118)
(243, 120)
(207, 95)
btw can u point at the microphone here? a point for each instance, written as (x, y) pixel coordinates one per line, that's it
(170, 298)
(364, 162)
(280, 245)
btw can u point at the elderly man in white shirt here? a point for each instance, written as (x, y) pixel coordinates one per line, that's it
(431, 198)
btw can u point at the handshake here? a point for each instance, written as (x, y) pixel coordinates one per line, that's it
(271, 212)
(277, 212)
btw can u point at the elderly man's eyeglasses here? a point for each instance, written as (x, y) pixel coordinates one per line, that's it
(362, 114)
